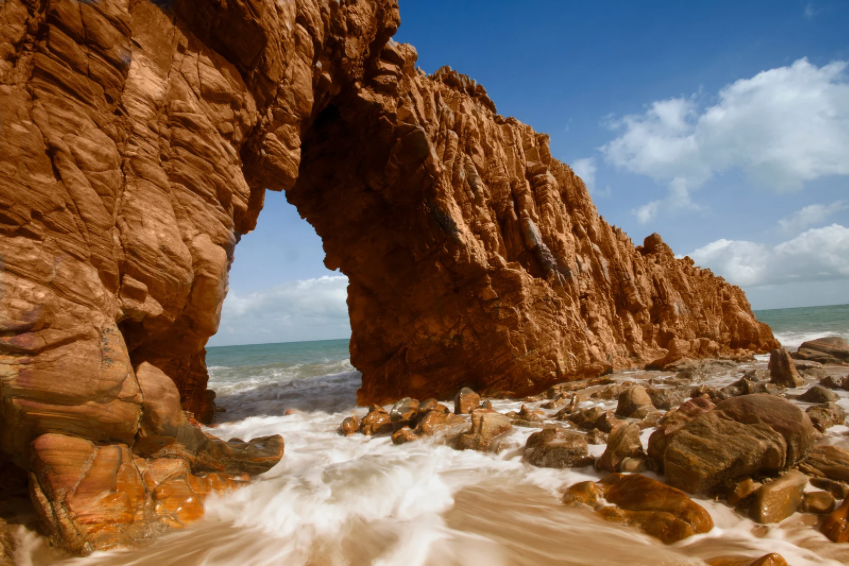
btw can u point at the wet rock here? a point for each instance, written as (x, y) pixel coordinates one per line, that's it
(608, 393)
(557, 448)
(632, 465)
(606, 422)
(777, 500)
(818, 502)
(596, 437)
(586, 418)
(634, 402)
(486, 426)
(812, 370)
(558, 402)
(377, 421)
(835, 382)
(700, 370)
(583, 493)
(436, 423)
(432, 405)
(673, 421)
(527, 418)
(714, 448)
(664, 398)
(742, 490)
(653, 507)
(747, 387)
(779, 414)
(836, 525)
(466, 401)
(782, 370)
(831, 350)
(826, 415)
(771, 559)
(486, 405)
(623, 442)
(839, 490)
(350, 425)
(818, 394)
(568, 387)
(404, 435)
(404, 413)
(827, 462)
(651, 420)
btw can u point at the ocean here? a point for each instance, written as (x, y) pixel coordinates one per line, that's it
(335, 500)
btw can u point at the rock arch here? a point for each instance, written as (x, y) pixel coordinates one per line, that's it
(138, 139)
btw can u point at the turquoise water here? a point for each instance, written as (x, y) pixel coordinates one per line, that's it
(794, 326)
(265, 379)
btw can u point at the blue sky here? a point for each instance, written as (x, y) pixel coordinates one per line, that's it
(724, 126)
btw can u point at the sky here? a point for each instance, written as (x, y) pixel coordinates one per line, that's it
(723, 126)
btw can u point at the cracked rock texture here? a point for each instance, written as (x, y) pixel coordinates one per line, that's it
(137, 140)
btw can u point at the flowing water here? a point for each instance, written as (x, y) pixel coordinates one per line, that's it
(335, 500)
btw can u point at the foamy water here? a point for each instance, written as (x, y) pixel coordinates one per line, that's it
(335, 500)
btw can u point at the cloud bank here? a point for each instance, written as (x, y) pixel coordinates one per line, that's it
(312, 309)
(819, 254)
(782, 128)
(811, 215)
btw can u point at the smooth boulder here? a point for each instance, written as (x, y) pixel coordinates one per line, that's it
(557, 448)
(466, 401)
(782, 370)
(486, 426)
(830, 350)
(622, 444)
(777, 500)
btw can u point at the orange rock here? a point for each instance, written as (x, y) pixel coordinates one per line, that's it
(836, 525)
(772, 559)
(137, 147)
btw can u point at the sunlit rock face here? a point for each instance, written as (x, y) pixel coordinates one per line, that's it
(137, 140)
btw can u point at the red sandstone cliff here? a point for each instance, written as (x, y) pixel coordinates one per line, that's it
(137, 139)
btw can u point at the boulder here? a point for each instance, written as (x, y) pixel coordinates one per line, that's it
(818, 394)
(436, 423)
(742, 490)
(466, 401)
(651, 420)
(634, 402)
(777, 500)
(826, 415)
(673, 421)
(665, 398)
(835, 382)
(779, 414)
(404, 435)
(404, 413)
(350, 425)
(782, 371)
(714, 448)
(557, 448)
(839, 490)
(377, 421)
(827, 462)
(818, 502)
(623, 442)
(836, 525)
(655, 508)
(813, 370)
(486, 426)
(830, 350)
(527, 418)
(583, 493)
(771, 559)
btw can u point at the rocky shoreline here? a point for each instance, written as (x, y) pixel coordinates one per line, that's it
(758, 444)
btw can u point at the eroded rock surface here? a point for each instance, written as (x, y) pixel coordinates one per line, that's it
(138, 139)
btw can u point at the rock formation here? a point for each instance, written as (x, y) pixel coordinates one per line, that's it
(137, 140)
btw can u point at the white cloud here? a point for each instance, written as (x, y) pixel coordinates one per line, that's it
(312, 309)
(782, 128)
(586, 169)
(810, 216)
(820, 254)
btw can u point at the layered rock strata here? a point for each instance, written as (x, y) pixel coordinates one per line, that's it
(138, 139)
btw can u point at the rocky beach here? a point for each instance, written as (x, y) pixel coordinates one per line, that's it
(523, 384)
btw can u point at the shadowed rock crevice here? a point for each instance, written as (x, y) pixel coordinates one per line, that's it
(138, 140)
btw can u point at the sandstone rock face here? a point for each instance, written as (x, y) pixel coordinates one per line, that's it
(138, 139)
